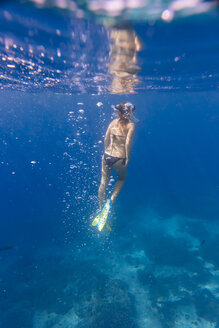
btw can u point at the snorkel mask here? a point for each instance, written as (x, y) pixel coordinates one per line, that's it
(127, 110)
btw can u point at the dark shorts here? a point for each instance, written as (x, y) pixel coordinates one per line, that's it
(111, 160)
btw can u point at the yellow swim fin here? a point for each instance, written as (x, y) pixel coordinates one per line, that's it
(100, 219)
(104, 215)
(96, 220)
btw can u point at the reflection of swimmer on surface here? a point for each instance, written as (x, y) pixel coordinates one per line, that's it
(123, 60)
(118, 141)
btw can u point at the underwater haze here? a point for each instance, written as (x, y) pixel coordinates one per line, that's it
(63, 65)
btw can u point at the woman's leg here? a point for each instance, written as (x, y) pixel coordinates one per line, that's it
(121, 172)
(106, 171)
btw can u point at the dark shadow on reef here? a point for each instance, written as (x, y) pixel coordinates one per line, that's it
(210, 251)
(57, 285)
(162, 249)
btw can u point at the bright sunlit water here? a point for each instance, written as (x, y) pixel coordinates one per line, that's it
(62, 66)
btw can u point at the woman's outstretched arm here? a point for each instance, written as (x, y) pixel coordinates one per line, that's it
(128, 143)
(107, 136)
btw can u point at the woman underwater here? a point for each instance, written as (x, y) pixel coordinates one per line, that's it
(118, 141)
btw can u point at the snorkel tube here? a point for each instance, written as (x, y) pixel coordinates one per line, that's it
(133, 118)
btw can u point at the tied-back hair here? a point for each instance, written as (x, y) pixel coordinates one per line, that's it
(122, 122)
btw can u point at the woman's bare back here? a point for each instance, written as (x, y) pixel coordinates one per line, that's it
(116, 147)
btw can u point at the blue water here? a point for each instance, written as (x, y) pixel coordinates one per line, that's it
(159, 266)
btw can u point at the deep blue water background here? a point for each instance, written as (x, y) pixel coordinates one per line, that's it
(159, 265)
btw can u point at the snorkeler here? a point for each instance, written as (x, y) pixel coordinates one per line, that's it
(118, 140)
